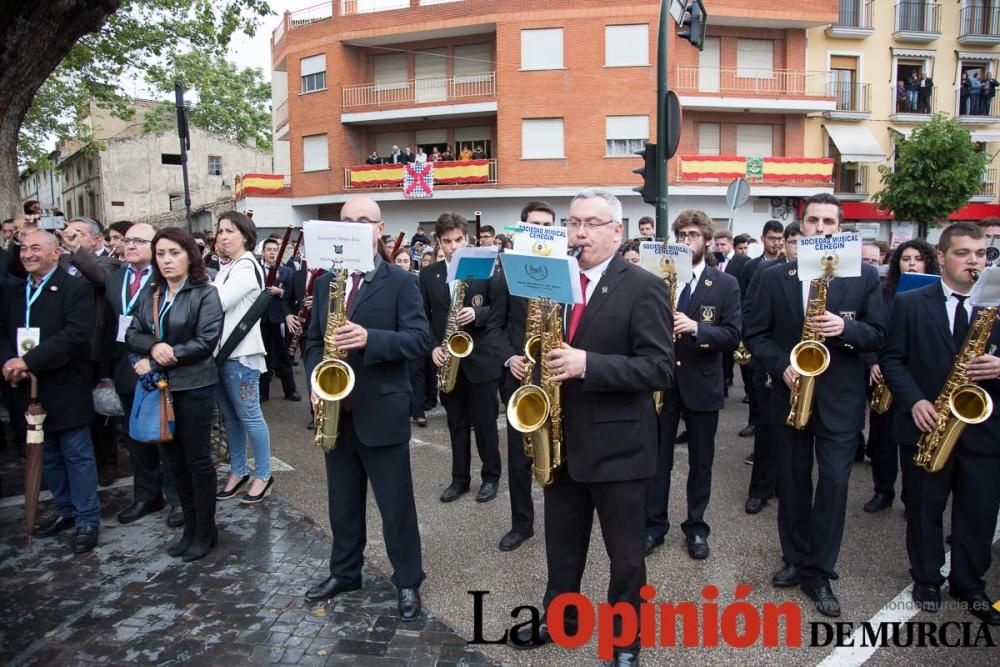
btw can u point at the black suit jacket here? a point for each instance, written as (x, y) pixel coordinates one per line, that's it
(277, 309)
(117, 366)
(505, 330)
(715, 306)
(484, 364)
(64, 313)
(390, 308)
(916, 359)
(775, 326)
(609, 424)
(735, 266)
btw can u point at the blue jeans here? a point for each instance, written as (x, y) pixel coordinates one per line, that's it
(239, 401)
(911, 96)
(71, 474)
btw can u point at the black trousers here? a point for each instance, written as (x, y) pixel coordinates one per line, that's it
(883, 451)
(522, 507)
(189, 455)
(418, 388)
(104, 435)
(569, 517)
(971, 481)
(349, 468)
(747, 374)
(430, 382)
(811, 526)
(150, 480)
(278, 361)
(701, 428)
(763, 472)
(473, 405)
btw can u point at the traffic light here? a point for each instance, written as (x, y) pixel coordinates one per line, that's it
(693, 24)
(648, 189)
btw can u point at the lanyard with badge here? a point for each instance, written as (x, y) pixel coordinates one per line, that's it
(125, 319)
(166, 306)
(28, 336)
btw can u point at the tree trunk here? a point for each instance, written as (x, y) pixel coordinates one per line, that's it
(34, 39)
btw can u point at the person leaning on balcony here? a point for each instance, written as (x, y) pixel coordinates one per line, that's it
(924, 94)
(395, 157)
(963, 95)
(435, 155)
(989, 92)
(902, 100)
(421, 156)
(373, 158)
(447, 155)
(466, 154)
(479, 153)
(975, 90)
(912, 90)
(408, 155)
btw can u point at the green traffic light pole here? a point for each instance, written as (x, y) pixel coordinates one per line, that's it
(662, 222)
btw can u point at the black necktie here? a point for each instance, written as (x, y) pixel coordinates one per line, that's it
(685, 298)
(961, 328)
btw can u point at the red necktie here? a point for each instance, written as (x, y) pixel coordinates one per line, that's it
(578, 309)
(136, 283)
(355, 281)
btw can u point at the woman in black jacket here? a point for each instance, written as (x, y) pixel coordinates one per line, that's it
(190, 321)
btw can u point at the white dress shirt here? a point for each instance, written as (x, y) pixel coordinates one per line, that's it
(951, 305)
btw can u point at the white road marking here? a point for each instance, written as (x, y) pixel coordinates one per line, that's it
(900, 610)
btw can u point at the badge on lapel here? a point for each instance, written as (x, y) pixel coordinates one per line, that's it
(708, 283)
(792, 272)
(604, 290)
(847, 314)
(477, 300)
(708, 314)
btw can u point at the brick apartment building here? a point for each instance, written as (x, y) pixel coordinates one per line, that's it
(557, 93)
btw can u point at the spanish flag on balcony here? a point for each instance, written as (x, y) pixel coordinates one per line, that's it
(719, 167)
(459, 172)
(798, 169)
(259, 184)
(376, 175)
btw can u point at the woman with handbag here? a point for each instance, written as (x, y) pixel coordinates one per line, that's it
(175, 328)
(240, 282)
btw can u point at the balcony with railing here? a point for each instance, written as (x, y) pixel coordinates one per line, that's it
(742, 88)
(449, 175)
(988, 189)
(980, 24)
(854, 20)
(904, 111)
(853, 100)
(978, 109)
(917, 21)
(851, 180)
(767, 171)
(419, 91)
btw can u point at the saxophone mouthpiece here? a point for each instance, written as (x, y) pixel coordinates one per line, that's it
(576, 251)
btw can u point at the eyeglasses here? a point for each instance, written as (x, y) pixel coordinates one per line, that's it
(134, 241)
(772, 239)
(683, 236)
(590, 224)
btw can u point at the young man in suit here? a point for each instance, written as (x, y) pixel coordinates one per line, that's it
(46, 332)
(927, 329)
(506, 327)
(386, 329)
(473, 402)
(618, 351)
(707, 324)
(811, 527)
(122, 289)
(278, 362)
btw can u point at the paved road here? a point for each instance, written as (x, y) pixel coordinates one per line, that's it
(460, 553)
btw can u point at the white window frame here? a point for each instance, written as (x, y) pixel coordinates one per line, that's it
(744, 71)
(616, 144)
(217, 171)
(540, 34)
(326, 153)
(544, 126)
(312, 79)
(617, 42)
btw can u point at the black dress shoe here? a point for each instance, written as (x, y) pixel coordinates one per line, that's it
(980, 606)
(176, 517)
(331, 587)
(233, 492)
(786, 577)
(514, 539)
(487, 492)
(294, 396)
(54, 526)
(421, 422)
(681, 438)
(409, 603)
(879, 502)
(826, 602)
(746, 400)
(524, 638)
(454, 490)
(749, 459)
(755, 505)
(625, 659)
(698, 547)
(139, 509)
(748, 431)
(651, 543)
(85, 539)
(928, 596)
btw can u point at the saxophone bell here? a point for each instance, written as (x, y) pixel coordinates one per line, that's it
(970, 404)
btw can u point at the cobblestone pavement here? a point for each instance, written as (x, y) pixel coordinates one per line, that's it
(128, 602)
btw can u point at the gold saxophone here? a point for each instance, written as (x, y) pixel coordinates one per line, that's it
(533, 329)
(810, 357)
(457, 344)
(333, 377)
(960, 402)
(881, 399)
(741, 355)
(536, 410)
(670, 278)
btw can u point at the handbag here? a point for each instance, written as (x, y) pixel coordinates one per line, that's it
(152, 418)
(107, 402)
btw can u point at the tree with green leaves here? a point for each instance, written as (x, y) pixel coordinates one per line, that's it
(936, 171)
(56, 56)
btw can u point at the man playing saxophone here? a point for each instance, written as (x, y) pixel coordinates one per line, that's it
(852, 322)
(473, 400)
(385, 329)
(928, 328)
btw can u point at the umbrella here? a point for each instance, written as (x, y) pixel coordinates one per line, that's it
(35, 417)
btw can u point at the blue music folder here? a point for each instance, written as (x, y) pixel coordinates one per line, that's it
(540, 277)
(911, 281)
(472, 264)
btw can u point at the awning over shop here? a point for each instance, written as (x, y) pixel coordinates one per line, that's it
(856, 143)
